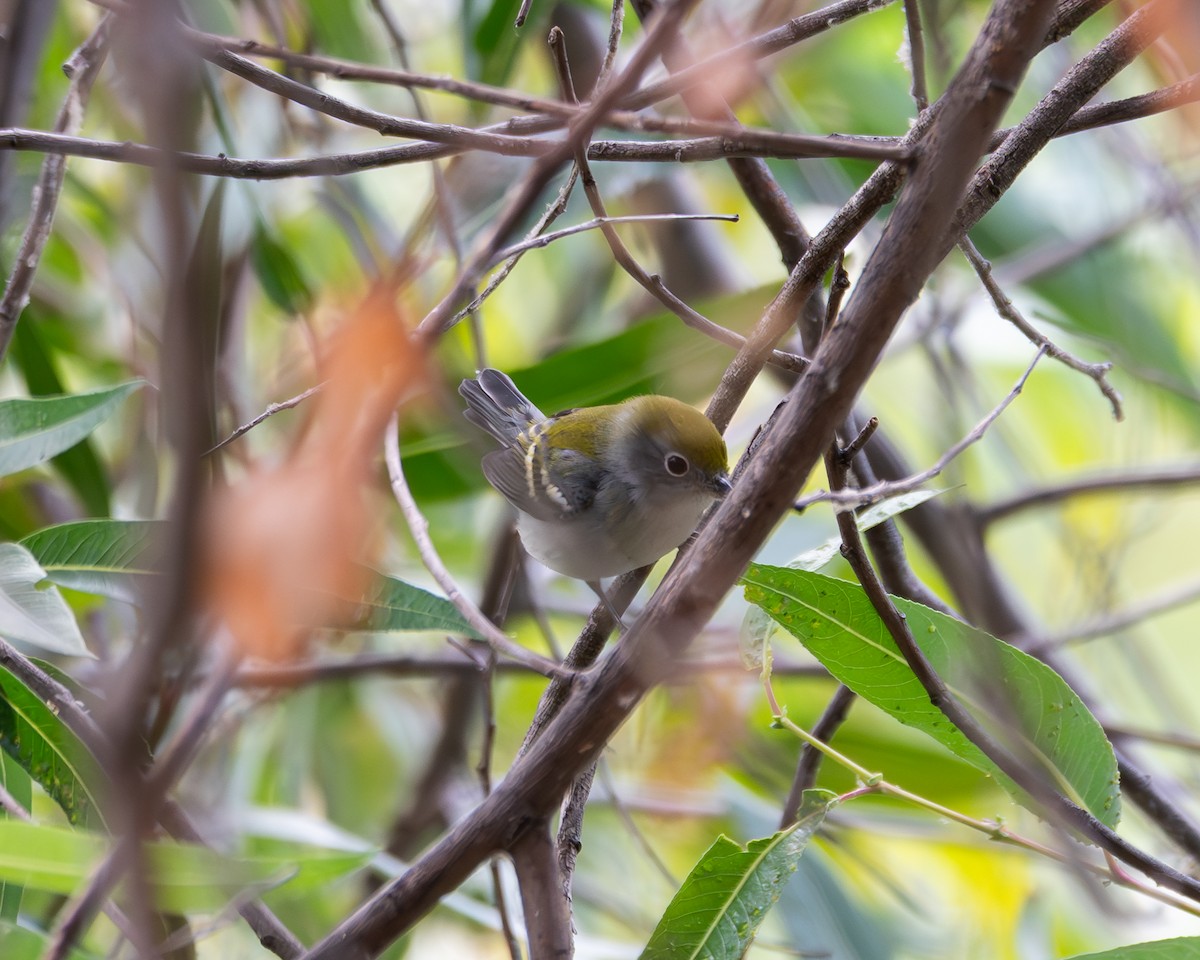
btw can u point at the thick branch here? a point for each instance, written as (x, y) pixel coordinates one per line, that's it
(822, 398)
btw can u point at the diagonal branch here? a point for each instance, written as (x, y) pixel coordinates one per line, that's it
(82, 68)
(690, 593)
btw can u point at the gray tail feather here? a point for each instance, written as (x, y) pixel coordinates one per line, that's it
(496, 405)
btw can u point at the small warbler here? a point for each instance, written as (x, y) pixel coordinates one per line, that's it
(601, 490)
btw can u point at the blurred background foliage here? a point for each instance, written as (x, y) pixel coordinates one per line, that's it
(1097, 242)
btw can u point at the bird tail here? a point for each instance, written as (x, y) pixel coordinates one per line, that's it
(496, 405)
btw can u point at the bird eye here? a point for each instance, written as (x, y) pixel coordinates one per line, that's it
(676, 465)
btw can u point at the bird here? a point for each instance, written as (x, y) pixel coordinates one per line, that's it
(601, 490)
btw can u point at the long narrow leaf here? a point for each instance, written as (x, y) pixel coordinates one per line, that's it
(393, 605)
(108, 557)
(32, 431)
(717, 911)
(20, 943)
(1181, 948)
(16, 781)
(33, 735)
(33, 611)
(185, 877)
(1021, 699)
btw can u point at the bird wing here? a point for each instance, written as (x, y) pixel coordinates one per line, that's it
(561, 494)
(506, 471)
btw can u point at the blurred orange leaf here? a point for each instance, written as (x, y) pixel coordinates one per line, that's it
(290, 540)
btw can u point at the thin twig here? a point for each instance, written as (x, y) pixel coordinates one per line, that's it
(271, 410)
(609, 784)
(419, 528)
(880, 491)
(82, 67)
(1166, 478)
(1170, 599)
(916, 54)
(994, 830)
(809, 763)
(1179, 740)
(1008, 310)
(10, 805)
(551, 213)
(625, 259)
(525, 193)
(545, 239)
(616, 26)
(773, 41)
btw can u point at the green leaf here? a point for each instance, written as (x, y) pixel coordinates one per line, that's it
(717, 911)
(34, 430)
(758, 629)
(392, 606)
(33, 611)
(495, 42)
(185, 877)
(19, 943)
(1181, 948)
(279, 273)
(107, 557)
(1010, 691)
(20, 787)
(79, 464)
(33, 735)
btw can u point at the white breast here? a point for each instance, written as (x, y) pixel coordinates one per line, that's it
(651, 530)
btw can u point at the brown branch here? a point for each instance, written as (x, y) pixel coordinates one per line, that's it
(1172, 598)
(833, 716)
(1070, 15)
(854, 496)
(163, 80)
(1166, 478)
(748, 143)
(82, 67)
(526, 192)
(1057, 107)
(271, 410)
(1138, 107)
(1008, 310)
(418, 526)
(691, 591)
(916, 54)
(547, 909)
(387, 124)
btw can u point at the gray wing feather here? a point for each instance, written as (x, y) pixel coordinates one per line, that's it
(574, 484)
(494, 404)
(505, 470)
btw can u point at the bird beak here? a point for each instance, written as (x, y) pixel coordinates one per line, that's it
(721, 484)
